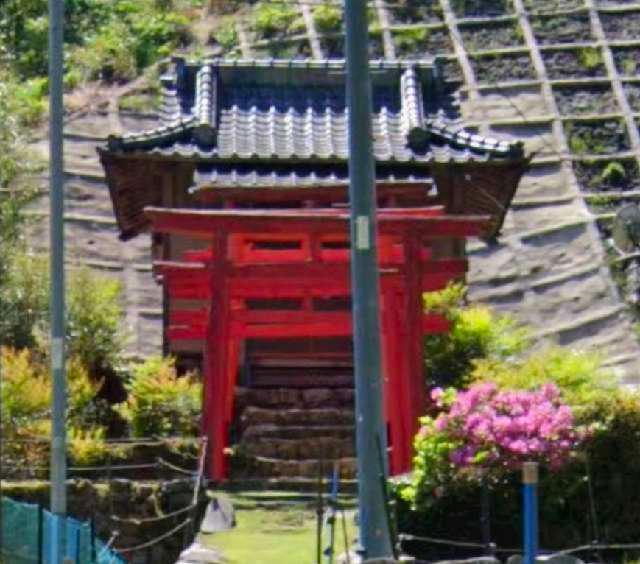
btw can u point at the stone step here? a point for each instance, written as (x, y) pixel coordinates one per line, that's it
(298, 484)
(263, 467)
(307, 432)
(295, 417)
(301, 379)
(294, 397)
(250, 498)
(322, 448)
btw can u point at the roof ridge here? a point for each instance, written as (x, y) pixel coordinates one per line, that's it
(461, 137)
(308, 63)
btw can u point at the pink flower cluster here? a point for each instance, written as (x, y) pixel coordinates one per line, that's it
(503, 428)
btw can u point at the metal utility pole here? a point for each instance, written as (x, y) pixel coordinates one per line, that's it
(370, 429)
(58, 412)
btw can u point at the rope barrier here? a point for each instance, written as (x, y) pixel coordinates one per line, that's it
(163, 462)
(462, 544)
(109, 543)
(113, 467)
(403, 537)
(144, 520)
(150, 441)
(157, 540)
(597, 546)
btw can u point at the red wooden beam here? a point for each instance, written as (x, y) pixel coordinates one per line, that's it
(184, 333)
(434, 324)
(282, 287)
(203, 224)
(277, 324)
(291, 330)
(189, 317)
(314, 273)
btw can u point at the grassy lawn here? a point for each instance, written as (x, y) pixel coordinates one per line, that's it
(283, 535)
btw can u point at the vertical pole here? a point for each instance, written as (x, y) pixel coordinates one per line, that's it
(530, 495)
(374, 532)
(93, 540)
(58, 439)
(40, 534)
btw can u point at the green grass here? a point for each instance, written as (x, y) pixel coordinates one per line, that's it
(283, 535)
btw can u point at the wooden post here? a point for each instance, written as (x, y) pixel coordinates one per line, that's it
(217, 362)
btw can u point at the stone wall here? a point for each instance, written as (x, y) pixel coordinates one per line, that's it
(135, 509)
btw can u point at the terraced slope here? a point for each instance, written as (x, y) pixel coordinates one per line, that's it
(560, 74)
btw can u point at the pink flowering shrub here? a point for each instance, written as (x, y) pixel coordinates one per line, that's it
(484, 432)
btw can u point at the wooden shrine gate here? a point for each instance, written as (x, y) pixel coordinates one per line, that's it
(299, 258)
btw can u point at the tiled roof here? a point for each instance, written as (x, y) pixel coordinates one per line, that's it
(284, 124)
(295, 176)
(277, 111)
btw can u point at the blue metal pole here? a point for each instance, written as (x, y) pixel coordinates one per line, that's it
(56, 218)
(370, 429)
(530, 498)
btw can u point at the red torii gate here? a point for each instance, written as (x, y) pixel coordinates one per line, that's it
(303, 254)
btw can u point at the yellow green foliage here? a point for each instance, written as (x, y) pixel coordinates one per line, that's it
(26, 389)
(578, 374)
(476, 332)
(327, 18)
(26, 407)
(161, 403)
(270, 20)
(89, 447)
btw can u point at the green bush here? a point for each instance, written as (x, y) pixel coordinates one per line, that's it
(270, 20)
(94, 321)
(109, 55)
(608, 463)
(160, 403)
(106, 40)
(437, 499)
(475, 333)
(24, 299)
(411, 40)
(94, 312)
(578, 374)
(226, 34)
(327, 18)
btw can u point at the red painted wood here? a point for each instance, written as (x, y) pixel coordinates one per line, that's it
(216, 378)
(433, 324)
(204, 255)
(312, 261)
(293, 317)
(186, 333)
(189, 317)
(291, 330)
(201, 224)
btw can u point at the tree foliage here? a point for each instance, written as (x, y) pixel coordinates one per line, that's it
(110, 40)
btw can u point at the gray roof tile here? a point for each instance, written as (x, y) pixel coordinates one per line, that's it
(274, 111)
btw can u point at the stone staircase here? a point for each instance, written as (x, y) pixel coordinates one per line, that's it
(294, 422)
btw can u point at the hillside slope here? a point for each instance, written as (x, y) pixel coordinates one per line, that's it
(559, 74)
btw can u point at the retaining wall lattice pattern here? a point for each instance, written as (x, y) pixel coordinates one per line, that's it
(562, 75)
